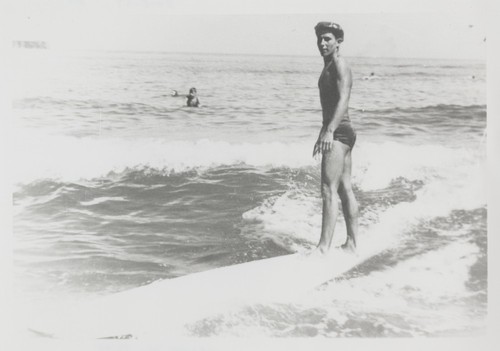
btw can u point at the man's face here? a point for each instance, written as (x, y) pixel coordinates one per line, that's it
(327, 44)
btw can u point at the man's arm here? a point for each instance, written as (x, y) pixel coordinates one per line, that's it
(344, 85)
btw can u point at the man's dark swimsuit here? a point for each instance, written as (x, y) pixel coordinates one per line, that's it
(345, 133)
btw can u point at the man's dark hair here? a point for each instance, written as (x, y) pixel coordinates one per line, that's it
(329, 27)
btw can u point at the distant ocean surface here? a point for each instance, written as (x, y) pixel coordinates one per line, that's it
(118, 184)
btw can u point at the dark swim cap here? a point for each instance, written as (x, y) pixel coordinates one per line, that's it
(329, 27)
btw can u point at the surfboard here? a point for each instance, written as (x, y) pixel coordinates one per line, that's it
(165, 307)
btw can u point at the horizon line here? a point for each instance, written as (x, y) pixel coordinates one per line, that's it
(247, 54)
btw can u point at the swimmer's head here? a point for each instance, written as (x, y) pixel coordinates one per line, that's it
(330, 27)
(192, 91)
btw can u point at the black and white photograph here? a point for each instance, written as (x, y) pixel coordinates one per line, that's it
(184, 173)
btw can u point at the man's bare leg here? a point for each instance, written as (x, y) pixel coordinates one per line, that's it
(349, 204)
(332, 166)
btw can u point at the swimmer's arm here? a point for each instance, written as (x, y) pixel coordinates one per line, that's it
(344, 84)
(174, 93)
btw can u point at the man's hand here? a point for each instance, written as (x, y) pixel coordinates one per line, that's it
(316, 149)
(324, 143)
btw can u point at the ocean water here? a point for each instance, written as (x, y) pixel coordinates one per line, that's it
(118, 184)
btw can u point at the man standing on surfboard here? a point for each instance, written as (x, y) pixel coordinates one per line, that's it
(336, 138)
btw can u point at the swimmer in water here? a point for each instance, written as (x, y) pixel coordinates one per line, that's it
(192, 97)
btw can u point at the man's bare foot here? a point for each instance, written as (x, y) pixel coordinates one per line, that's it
(349, 246)
(319, 251)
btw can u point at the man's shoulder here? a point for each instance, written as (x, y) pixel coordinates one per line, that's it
(342, 67)
(343, 64)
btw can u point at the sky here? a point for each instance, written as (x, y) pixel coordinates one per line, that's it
(383, 28)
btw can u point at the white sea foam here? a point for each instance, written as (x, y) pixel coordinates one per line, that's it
(67, 158)
(291, 220)
(375, 165)
(100, 200)
(294, 218)
(71, 159)
(410, 289)
(430, 278)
